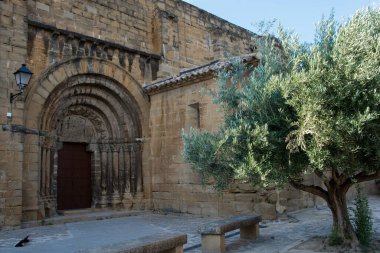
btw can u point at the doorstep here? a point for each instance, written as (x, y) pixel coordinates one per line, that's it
(88, 214)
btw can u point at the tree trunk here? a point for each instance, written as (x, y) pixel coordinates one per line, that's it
(341, 220)
(335, 196)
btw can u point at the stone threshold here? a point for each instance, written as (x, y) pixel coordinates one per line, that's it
(90, 214)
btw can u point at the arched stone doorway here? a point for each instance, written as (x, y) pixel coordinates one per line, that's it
(100, 110)
(94, 110)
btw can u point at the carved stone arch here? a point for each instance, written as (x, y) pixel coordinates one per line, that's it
(103, 106)
(95, 89)
(53, 114)
(57, 74)
(100, 126)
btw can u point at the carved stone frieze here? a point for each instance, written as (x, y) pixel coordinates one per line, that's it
(63, 44)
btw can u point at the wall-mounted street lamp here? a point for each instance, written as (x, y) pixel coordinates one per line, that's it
(22, 76)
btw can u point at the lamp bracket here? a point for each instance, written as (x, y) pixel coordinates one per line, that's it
(13, 96)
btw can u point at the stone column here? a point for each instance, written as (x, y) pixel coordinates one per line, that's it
(43, 171)
(52, 200)
(47, 173)
(115, 173)
(127, 164)
(133, 167)
(137, 158)
(103, 174)
(127, 198)
(121, 170)
(109, 173)
(96, 175)
(47, 197)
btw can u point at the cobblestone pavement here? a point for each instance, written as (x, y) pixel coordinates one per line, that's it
(275, 236)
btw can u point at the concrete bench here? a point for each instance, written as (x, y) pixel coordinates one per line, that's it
(213, 233)
(157, 243)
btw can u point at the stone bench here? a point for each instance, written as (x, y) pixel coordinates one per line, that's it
(213, 233)
(157, 243)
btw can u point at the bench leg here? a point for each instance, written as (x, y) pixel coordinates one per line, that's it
(213, 244)
(178, 249)
(251, 232)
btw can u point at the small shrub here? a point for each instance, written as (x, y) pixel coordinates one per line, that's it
(335, 239)
(362, 219)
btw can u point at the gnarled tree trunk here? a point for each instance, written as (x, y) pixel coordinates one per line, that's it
(337, 186)
(335, 196)
(338, 206)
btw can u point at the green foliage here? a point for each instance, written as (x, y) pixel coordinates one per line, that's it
(204, 162)
(303, 109)
(337, 96)
(362, 219)
(335, 238)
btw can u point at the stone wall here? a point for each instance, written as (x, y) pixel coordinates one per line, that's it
(107, 43)
(13, 48)
(182, 34)
(186, 36)
(90, 60)
(175, 187)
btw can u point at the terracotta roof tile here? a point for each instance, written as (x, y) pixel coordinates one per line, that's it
(187, 75)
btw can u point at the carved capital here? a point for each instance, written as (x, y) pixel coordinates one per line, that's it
(115, 147)
(103, 147)
(49, 142)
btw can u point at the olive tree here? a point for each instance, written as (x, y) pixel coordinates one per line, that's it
(304, 109)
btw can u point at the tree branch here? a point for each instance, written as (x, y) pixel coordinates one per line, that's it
(313, 189)
(361, 177)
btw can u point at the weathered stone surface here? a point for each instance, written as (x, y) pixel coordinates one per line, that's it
(90, 62)
(225, 225)
(168, 242)
(213, 233)
(268, 211)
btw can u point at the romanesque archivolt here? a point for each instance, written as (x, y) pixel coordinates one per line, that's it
(97, 111)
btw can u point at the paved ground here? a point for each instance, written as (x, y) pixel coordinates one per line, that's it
(275, 237)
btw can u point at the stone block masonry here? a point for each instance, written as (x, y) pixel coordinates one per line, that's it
(91, 62)
(13, 46)
(175, 186)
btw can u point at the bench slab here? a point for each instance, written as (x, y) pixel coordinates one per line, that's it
(157, 243)
(212, 233)
(222, 226)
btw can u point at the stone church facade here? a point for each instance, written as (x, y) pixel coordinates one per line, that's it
(99, 125)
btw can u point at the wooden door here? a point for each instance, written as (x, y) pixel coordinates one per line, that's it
(74, 177)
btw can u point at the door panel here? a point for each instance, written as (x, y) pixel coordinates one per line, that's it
(74, 177)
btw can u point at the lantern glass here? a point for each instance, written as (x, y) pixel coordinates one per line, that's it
(23, 76)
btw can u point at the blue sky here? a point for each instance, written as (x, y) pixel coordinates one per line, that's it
(297, 15)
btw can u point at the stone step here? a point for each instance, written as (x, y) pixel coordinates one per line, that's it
(81, 215)
(83, 211)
